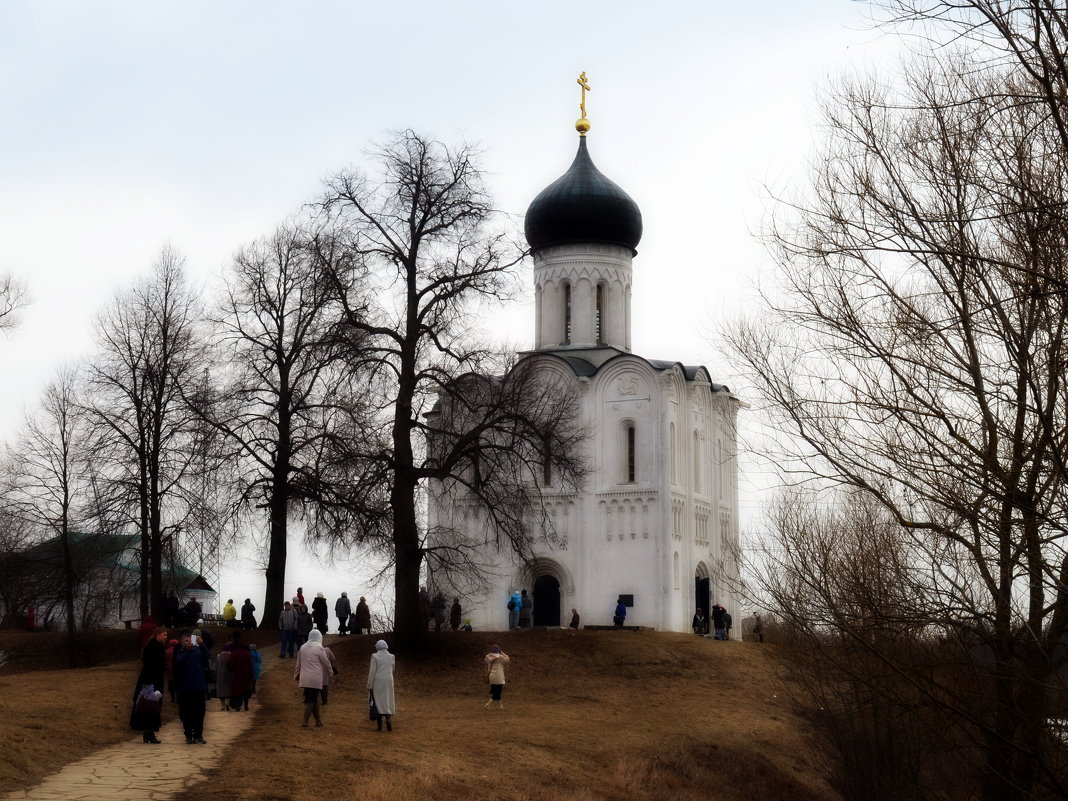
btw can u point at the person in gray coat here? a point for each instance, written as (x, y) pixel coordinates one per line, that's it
(343, 608)
(380, 683)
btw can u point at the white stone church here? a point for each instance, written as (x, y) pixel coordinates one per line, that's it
(657, 518)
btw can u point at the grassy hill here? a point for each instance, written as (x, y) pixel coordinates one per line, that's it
(589, 716)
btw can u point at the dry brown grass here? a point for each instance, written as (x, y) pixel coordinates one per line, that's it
(589, 716)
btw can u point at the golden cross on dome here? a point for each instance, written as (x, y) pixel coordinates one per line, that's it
(583, 124)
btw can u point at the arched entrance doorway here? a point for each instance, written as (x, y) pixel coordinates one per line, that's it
(546, 601)
(702, 591)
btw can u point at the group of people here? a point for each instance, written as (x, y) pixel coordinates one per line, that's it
(296, 622)
(192, 674)
(721, 623)
(248, 614)
(434, 609)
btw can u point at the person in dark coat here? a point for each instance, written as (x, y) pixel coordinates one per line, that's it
(304, 626)
(343, 608)
(248, 618)
(424, 609)
(699, 623)
(526, 607)
(437, 606)
(172, 607)
(190, 669)
(145, 715)
(320, 612)
(241, 673)
(455, 614)
(363, 616)
(719, 622)
(574, 624)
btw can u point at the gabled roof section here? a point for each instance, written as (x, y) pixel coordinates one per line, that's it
(587, 362)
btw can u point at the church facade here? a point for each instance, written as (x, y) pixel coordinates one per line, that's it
(656, 520)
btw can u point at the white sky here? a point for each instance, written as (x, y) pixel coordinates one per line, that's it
(128, 125)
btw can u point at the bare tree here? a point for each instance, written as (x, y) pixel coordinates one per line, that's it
(279, 336)
(151, 358)
(917, 353)
(52, 455)
(412, 250)
(13, 299)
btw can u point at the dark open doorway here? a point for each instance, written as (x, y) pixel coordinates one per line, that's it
(701, 599)
(546, 601)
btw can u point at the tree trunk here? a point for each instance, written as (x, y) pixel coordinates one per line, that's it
(68, 597)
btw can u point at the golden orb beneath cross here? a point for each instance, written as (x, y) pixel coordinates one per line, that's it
(582, 125)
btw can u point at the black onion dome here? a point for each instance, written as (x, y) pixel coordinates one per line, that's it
(583, 206)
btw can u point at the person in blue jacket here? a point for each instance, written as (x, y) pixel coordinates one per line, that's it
(190, 669)
(620, 616)
(515, 604)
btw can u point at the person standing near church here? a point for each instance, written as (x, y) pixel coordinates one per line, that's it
(526, 607)
(455, 615)
(719, 622)
(700, 623)
(620, 615)
(574, 619)
(515, 602)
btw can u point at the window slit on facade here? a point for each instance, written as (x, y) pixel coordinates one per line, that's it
(546, 464)
(567, 313)
(599, 320)
(630, 467)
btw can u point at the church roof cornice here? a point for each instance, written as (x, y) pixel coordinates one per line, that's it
(588, 362)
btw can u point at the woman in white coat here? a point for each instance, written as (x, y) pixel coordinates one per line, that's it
(380, 683)
(313, 665)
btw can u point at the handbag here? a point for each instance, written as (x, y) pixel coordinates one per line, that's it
(372, 709)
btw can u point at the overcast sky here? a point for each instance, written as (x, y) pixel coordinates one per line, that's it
(125, 126)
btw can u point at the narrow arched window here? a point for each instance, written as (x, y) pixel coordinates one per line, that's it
(696, 463)
(631, 471)
(567, 314)
(599, 321)
(675, 569)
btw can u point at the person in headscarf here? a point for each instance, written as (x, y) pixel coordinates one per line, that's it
(240, 673)
(312, 665)
(304, 625)
(363, 616)
(153, 671)
(248, 617)
(380, 684)
(320, 612)
(223, 677)
(496, 659)
(343, 608)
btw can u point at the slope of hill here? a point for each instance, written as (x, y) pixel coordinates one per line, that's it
(588, 716)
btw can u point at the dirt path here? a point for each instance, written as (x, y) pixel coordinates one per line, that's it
(135, 771)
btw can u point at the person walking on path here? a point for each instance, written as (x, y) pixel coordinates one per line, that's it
(380, 684)
(312, 665)
(363, 616)
(257, 667)
(248, 619)
(320, 612)
(343, 608)
(496, 659)
(223, 677)
(153, 673)
(240, 673)
(190, 668)
(287, 622)
(526, 606)
(304, 625)
(455, 614)
(620, 615)
(515, 602)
